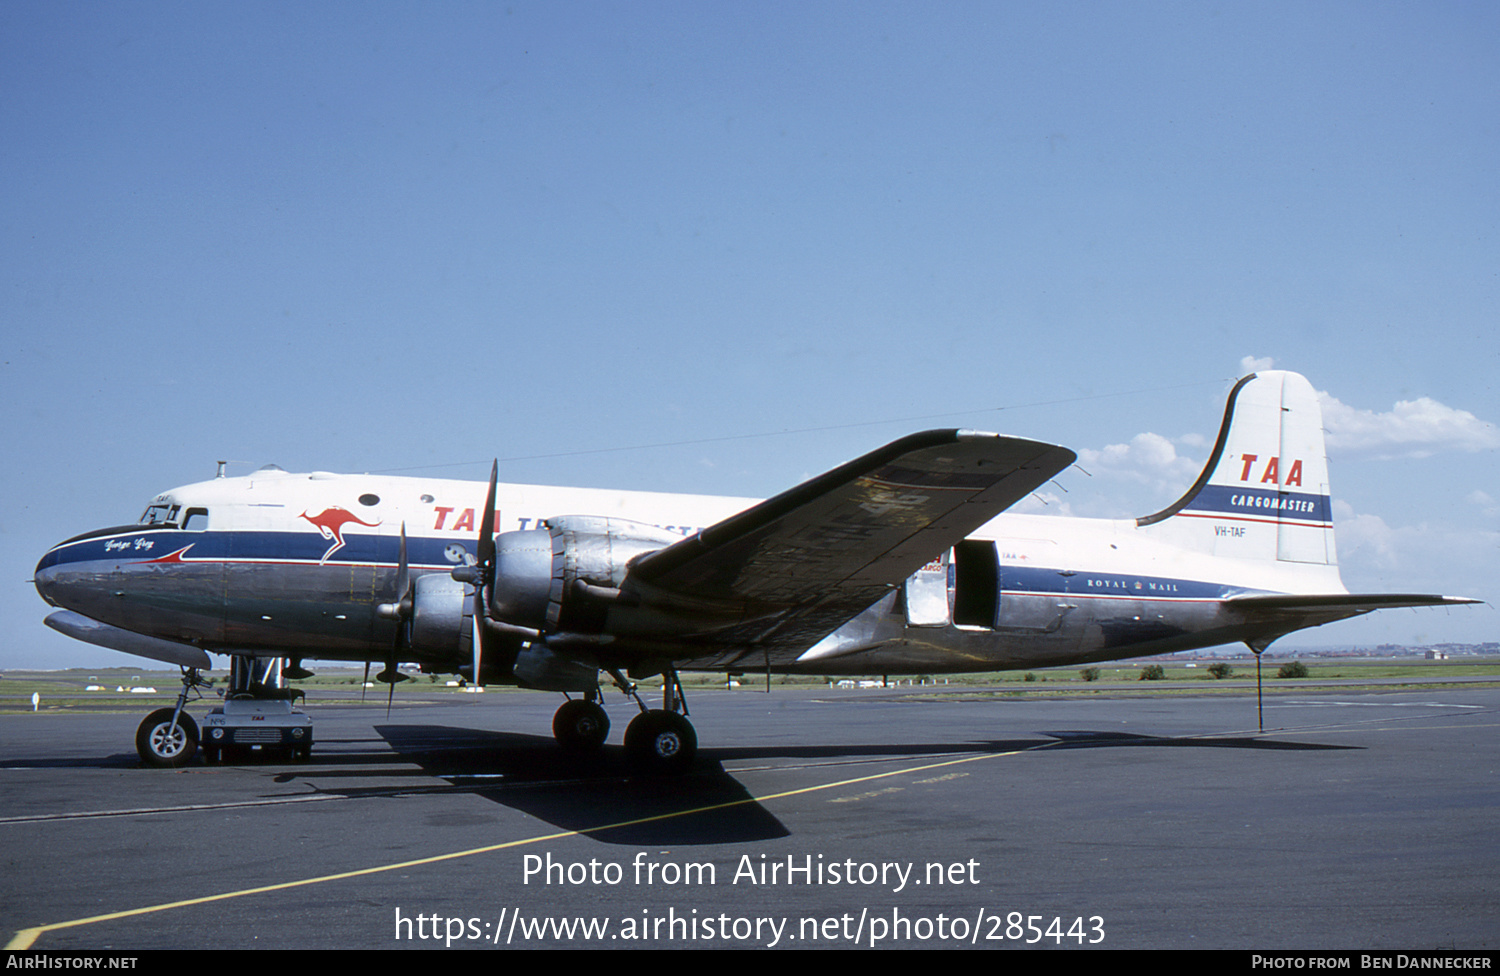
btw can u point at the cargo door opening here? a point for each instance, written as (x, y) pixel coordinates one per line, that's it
(976, 584)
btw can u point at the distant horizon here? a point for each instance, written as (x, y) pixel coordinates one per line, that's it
(1207, 652)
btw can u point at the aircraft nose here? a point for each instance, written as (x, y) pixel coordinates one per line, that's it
(46, 578)
(65, 578)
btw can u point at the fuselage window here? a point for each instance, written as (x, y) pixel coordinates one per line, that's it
(369, 499)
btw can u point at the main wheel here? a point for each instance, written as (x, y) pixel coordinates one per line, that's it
(661, 742)
(160, 745)
(580, 726)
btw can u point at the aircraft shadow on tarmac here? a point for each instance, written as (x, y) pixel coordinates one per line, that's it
(598, 794)
(1083, 739)
(446, 751)
(591, 792)
(602, 796)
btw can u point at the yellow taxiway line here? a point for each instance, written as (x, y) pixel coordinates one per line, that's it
(26, 938)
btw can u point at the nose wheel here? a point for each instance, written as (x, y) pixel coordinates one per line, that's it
(169, 736)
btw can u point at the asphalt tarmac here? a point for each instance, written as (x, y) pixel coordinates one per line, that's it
(814, 818)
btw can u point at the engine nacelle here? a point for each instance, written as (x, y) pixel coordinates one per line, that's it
(539, 667)
(442, 617)
(523, 577)
(551, 579)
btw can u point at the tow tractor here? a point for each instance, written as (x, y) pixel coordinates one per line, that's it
(257, 713)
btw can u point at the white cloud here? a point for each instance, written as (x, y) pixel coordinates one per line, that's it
(1363, 541)
(1413, 428)
(1138, 477)
(1255, 364)
(1148, 459)
(1484, 502)
(1427, 557)
(1042, 503)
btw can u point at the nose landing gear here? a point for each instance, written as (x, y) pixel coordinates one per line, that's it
(169, 737)
(257, 714)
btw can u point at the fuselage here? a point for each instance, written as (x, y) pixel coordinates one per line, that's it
(296, 565)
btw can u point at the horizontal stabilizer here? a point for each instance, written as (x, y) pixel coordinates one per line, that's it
(1269, 616)
(1355, 602)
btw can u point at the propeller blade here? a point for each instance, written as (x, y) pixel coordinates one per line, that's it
(478, 650)
(401, 611)
(403, 578)
(485, 552)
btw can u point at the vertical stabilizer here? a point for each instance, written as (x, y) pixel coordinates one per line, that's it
(1264, 492)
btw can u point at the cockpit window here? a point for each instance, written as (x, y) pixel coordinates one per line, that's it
(196, 519)
(160, 513)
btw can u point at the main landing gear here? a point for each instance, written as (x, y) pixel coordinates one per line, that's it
(581, 724)
(657, 740)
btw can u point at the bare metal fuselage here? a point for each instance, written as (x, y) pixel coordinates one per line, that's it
(1030, 591)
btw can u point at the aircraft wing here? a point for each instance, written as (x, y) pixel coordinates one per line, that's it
(783, 574)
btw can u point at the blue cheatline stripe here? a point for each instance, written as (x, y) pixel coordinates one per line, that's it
(1048, 581)
(138, 546)
(1263, 503)
(308, 548)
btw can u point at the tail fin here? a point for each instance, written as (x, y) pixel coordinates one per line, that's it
(1264, 496)
(1264, 492)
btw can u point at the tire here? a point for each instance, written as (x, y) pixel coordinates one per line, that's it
(158, 746)
(661, 742)
(580, 726)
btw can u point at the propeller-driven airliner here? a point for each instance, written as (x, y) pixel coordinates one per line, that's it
(903, 561)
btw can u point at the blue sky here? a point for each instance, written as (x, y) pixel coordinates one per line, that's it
(370, 237)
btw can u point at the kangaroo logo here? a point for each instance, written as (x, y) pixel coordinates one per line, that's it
(330, 524)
